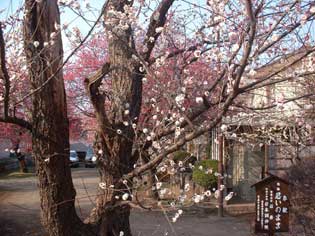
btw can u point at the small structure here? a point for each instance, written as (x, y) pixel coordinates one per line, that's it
(272, 205)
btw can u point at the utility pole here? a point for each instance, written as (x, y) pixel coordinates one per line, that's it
(220, 176)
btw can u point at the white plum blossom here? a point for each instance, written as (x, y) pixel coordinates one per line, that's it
(224, 128)
(158, 185)
(222, 187)
(125, 196)
(187, 187)
(229, 196)
(208, 193)
(197, 198)
(199, 100)
(197, 53)
(102, 185)
(36, 44)
(217, 194)
(179, 99)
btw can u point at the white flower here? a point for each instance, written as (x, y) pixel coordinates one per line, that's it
(187, 187)
(100, 151)
(102, 185)
(121, 233)
(159, 30)
(125, 196)
(126, 112)
(208, 193)
(134, 126)
(118, 131)
(229, 196)
(158, 185)
(197, 198)
(141, 69)
(274, 37)
(224, 128)
(252, 72)
(197, 53)
(125, 123)
(174, 219)
(163, 169)
(179, 99)
(180, 211)
(144, 79)
(53, 35)
(125, 182)
(222, 187)
(180, 164)
(199, 99)
(57, 26)
(151, 39)
(200, 167)
(216, 194)
(36, 44)
(46, 44)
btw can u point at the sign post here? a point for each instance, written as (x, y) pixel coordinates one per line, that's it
(272, 205)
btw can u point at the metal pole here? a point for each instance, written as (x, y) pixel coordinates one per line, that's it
(266, 160)
(220, 179)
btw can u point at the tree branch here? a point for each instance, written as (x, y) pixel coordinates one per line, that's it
(157, 20)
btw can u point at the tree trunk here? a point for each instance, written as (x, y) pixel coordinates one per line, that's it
(112, 211)
(116, 158)
(50, 134)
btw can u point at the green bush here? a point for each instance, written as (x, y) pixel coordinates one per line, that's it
(200, 177)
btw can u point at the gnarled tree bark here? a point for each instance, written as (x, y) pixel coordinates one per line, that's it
(50, 128)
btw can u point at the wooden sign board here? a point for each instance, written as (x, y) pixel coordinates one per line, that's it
(272, 205)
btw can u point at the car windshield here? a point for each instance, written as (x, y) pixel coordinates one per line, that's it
(73, 154)
(89, 152)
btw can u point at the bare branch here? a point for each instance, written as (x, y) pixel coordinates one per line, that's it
(157, 20)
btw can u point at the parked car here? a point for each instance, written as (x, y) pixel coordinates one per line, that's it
(90, 158)
(74, 159)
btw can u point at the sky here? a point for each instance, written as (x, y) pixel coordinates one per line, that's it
(8, 7)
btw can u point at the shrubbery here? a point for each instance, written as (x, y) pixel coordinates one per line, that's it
(204, 176)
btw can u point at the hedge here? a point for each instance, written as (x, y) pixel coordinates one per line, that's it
(200, 177)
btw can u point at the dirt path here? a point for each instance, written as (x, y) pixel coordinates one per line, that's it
(19, 212)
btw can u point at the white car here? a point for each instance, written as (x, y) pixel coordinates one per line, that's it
(90, 158)
(74, 159)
